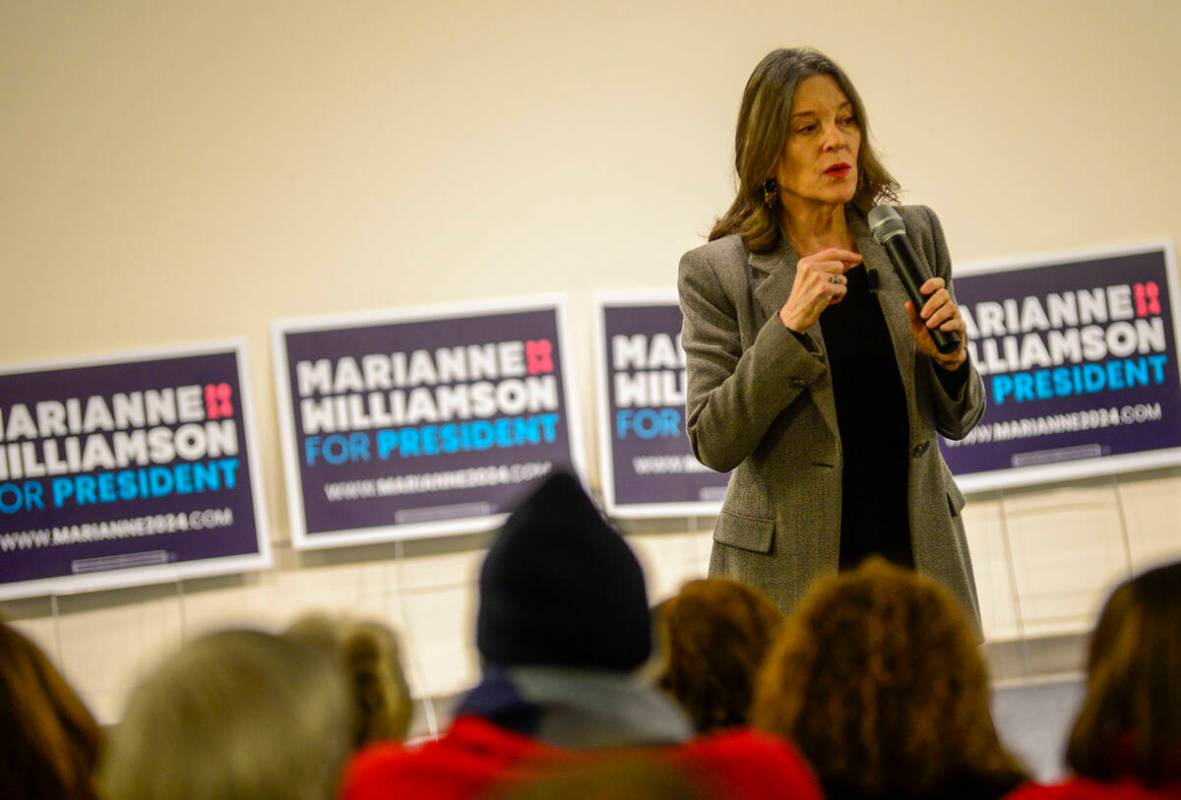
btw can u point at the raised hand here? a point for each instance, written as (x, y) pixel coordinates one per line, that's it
(820, 282)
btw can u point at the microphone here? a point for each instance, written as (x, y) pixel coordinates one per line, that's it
(889, 231)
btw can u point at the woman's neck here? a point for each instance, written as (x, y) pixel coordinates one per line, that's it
(814, 227)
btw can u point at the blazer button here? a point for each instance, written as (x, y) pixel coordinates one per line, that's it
(920, 448)
(797, 382)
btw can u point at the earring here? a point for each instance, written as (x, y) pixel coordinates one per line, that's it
(770, 192)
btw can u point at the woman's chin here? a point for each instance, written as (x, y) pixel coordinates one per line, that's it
(838, 195)
(846, 194)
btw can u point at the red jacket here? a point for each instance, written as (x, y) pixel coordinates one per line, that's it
(1085, 789)
(742, 764)
(475, 754)
(471, 756)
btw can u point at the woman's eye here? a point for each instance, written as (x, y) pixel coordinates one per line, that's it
(806, 129)
(849, 121)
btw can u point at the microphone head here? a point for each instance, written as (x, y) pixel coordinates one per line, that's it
(885, 224)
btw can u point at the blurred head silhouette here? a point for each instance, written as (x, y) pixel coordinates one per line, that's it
(1130, 722)
(238, 714)
(716, 634)
(561, 588)
(877, 680)
(372, 659)
(50, 740)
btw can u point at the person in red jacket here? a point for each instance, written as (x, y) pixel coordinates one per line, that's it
(563, 629)
(1126, 741)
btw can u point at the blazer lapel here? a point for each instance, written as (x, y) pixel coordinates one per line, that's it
(772, 276)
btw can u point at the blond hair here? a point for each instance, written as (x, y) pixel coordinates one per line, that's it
(372, 658)
(237, 714)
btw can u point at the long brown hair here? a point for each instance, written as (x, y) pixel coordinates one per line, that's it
(50, 740)
(877, 680)
(1130, 721)
(762, 133)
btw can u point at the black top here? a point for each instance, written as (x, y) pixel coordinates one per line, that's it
(875, 432)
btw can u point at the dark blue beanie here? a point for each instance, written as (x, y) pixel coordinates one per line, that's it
(560, 587)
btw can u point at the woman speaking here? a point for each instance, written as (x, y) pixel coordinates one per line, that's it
(811, 374)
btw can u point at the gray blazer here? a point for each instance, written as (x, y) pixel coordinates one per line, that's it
(760, 402)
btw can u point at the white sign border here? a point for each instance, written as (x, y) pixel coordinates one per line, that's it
(301, 540)
(600, 301)
(163, 573)
(1018, 477)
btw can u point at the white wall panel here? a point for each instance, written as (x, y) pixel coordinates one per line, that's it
(192, 171)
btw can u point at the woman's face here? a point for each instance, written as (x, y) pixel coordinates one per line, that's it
(819, 160)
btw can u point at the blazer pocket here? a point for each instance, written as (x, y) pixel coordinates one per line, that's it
(955, 500)
(746, 533)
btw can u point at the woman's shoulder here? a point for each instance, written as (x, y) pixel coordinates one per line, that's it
(926, 233)
(718, 253)
(920, 219)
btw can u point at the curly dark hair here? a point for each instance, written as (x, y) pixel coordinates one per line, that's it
(762, 134)
(877, 680)
(1130, 721)
(718, 632)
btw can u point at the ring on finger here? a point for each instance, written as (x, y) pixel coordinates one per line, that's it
(834, 279)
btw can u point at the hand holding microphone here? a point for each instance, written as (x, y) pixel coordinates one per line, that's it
(935, 321)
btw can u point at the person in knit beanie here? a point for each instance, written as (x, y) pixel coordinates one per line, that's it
(561, 588)
(563, 621)
(563, 630)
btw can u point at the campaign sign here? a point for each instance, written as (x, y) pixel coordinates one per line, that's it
(127, 470)
(648, 469)
(421, 422)
(1079, 360)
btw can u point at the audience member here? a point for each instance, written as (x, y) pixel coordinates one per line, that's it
(716, 633)
(1126, 741)
(48, 740)
(563, 628)
(371, 656)
(877, 680)
(238, 714)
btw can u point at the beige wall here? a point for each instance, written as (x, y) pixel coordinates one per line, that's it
(190, 171)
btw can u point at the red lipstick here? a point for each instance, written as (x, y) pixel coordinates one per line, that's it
(839, 170)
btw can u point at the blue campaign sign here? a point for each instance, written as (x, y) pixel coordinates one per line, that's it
(127, 470)
(1079, 360)
(424, 421)
(647, 466)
